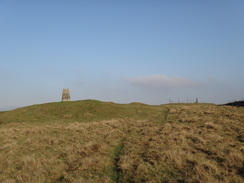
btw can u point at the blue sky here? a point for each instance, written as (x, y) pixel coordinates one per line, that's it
(121, 51)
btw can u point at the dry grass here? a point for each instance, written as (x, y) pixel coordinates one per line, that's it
(189, 143)
(197, 144)
(59, 152)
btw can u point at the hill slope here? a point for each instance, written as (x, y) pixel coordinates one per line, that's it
(122, 143)
(79, 111)
(236, 103)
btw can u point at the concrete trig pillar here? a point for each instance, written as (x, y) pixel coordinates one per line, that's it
(65, 95)
(196, 101)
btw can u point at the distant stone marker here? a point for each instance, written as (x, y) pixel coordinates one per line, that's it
(65, 95)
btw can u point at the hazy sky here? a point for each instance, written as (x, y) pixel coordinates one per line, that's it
(122, 51)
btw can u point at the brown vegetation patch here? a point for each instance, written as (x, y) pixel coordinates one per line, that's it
(187, 143)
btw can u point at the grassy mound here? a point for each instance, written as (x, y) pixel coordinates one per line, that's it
(79, 111)
(123, 143)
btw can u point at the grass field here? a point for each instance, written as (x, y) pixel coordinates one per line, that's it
(93, 141)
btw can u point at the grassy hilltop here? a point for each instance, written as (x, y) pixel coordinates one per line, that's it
(93, 141)
(80, 111)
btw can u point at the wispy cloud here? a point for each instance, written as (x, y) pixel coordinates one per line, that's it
(163, 81)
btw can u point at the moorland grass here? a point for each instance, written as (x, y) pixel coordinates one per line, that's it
(122, 143)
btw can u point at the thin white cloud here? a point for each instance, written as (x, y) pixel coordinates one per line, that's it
(163, 81)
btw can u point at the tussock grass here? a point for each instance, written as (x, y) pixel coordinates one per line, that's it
(58, 152)
(169, 143)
